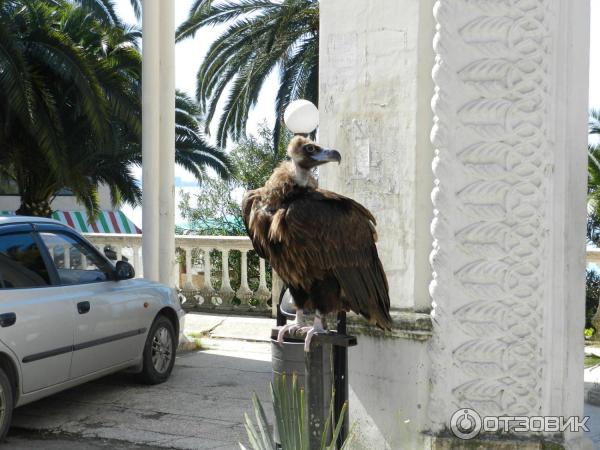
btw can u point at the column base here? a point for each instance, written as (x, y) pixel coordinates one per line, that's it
(509, 443)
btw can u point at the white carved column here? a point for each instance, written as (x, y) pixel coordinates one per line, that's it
(510, 109)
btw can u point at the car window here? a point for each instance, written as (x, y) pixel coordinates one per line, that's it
(75, 261)
(21, 263)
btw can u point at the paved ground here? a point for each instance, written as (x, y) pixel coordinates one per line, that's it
(592, 378)
(29, 440)
(201, 406)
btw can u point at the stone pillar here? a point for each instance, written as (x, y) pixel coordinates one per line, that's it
(375, 94)
(506, 280)
(158, 140)
(508, 255)
(150, 136)
(166, 243)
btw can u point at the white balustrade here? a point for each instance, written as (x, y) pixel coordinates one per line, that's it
(244, 293)
(199, 290)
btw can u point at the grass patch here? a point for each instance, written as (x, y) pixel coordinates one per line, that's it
(591, 360)
(198, 334)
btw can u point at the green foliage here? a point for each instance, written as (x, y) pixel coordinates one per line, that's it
(593, 222)
(588, 333)
(261, 36)
(289, 404)
(592, 294)
(254, 159)
(591, 360)
(215, 210)
(70, 86)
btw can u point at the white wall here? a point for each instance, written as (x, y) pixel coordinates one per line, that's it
(375, 91)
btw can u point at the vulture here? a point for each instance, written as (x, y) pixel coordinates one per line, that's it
(320, 243)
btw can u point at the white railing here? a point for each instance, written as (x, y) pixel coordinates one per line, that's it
(593, 256)
(199, 268)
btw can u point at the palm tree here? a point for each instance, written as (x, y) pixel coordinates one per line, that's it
(104, 10)
(261, 36)
(79, 122)
(593, 222)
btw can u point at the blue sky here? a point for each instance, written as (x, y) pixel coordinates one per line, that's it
(190, 53)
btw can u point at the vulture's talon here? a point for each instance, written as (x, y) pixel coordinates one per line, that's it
(291, 329)
(317, 328)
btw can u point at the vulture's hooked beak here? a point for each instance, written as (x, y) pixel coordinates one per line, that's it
(325, 155)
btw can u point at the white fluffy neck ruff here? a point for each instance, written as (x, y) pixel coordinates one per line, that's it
(301, 176)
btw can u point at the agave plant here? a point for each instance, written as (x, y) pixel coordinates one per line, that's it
(290, 408)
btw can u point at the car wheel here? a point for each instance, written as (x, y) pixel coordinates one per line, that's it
(6, 403)
(159, 352)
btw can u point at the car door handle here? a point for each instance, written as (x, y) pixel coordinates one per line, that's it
(83, 307)
(7, 319)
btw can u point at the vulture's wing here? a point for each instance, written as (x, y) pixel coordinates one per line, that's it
(256, 220)
(334, 233)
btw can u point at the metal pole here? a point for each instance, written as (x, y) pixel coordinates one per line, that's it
(340, 378)
(281, 319)
(318, 392)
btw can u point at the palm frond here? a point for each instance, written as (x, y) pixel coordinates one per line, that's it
(261, 36)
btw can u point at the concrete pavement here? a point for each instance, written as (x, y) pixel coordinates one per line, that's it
(201, 406)
(28, 440)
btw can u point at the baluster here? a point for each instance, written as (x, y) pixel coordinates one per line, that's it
(276, 286)
(188, 269)
(67, 255)
(207, 291)
(263, 292)
(136, 261)
(226, 292)
(244, 293)
(84, 264)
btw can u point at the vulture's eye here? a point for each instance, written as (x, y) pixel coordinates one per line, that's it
(310, 148)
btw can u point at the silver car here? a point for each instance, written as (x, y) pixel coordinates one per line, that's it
(68, 315)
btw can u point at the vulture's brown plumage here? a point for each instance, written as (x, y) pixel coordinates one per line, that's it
(321, 244)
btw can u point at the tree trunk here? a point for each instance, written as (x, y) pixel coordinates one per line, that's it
(38, 208)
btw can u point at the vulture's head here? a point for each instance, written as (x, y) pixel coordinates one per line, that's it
(307, 154)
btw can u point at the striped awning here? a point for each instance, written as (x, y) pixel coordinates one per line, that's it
(107, 222)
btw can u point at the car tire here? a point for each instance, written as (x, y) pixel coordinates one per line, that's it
(7, 396)
(159, 352)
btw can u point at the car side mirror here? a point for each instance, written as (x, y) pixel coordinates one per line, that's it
(124, 270)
